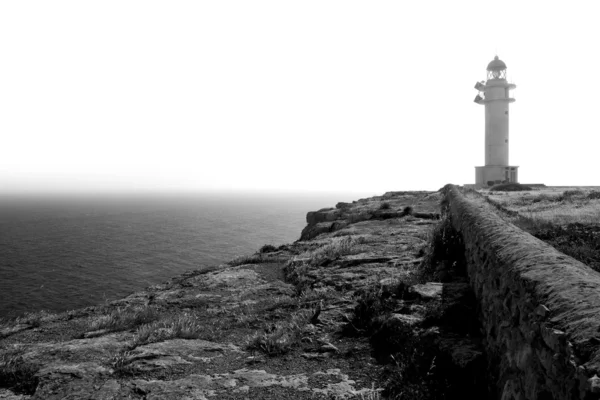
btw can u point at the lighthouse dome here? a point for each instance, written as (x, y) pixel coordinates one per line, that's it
(496, 65)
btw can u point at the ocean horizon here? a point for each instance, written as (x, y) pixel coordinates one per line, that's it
(65, 251)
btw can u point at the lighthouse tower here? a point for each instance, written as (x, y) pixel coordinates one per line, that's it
(494, 95)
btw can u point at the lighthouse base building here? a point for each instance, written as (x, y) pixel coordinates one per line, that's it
(491, 175)
(494, 94)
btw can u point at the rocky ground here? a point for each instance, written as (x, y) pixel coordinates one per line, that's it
(370, 303)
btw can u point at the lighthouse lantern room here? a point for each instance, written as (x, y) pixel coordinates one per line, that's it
(494, 95)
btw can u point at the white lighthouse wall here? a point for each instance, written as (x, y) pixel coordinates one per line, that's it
(496, 123)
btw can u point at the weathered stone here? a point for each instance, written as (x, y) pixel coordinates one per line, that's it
(232, 278)
(240, 381)
(329, 348)
(552, 337)
(252, 360)
(428, 291)
(176, 352)
(314, 217)
(594, 384)
(316, 356)
(72, 381)
(97, 333)
(313, 230)
(6, 394)
(108, 391)
(91, 348)
(542, 310)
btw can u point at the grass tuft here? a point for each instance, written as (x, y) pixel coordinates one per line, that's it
(183, 326)
(385, 206)
(121, 319)
(593, 195)
(265, 255)
(267, 248)
(248, 259)
(570, 195)
(363, 394)
(281, 337)
(369, 305)
(121, 364)
(347, 245)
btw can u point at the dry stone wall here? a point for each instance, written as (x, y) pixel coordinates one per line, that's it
(540, 309)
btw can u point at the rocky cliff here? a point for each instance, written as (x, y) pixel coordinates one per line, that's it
(280, 323)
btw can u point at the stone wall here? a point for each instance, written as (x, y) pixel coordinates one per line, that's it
(539, 308)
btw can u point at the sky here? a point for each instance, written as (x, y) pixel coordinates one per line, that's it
(297, 96)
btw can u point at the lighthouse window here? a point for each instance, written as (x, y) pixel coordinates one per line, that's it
(505, 112)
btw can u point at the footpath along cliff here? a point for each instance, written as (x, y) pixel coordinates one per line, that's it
(303, 320)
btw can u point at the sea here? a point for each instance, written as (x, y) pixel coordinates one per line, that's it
(63, 252)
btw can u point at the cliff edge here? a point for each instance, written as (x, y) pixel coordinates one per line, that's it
(281, 323)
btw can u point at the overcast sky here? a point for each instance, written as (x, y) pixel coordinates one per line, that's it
(366, 96)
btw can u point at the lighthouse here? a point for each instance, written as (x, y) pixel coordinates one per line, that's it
(494, 94)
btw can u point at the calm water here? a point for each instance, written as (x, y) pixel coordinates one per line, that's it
(59, 254)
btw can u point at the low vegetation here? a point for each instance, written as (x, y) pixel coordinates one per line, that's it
(337, 248)
(258, 258)
(281, 337)
(266, 254)
(33, 319)
(267, 248)
(370, 394)
(370, 304)
(567, 220)
(297, 270)
(121, 364)
(183, 326)
(415, 367)
(122, 319)
(385, 206)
